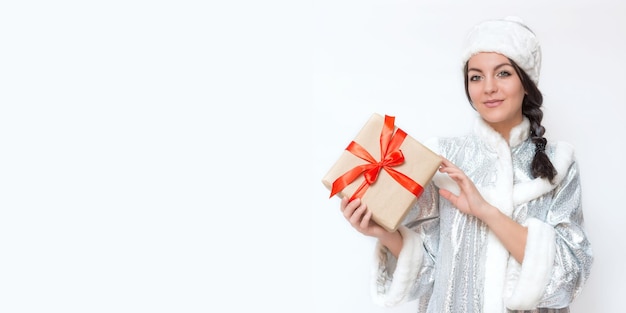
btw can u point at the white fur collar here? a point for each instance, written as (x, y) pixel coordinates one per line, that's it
(517, 135)
(561, 154)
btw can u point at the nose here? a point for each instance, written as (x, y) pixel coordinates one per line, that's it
(490, 85)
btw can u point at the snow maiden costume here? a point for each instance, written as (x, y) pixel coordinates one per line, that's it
(452, 262)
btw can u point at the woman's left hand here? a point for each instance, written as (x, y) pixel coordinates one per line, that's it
(469, 200)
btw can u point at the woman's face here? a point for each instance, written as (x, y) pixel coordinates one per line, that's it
(496, 90)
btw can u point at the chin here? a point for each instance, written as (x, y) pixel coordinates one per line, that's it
(493, 118)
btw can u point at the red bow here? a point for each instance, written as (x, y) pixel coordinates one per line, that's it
(391, 156)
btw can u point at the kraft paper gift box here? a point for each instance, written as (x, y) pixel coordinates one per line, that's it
(393, 185)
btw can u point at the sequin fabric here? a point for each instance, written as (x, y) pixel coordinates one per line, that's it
(453, 270)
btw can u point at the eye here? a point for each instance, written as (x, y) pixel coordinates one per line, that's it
(504, 74)
(474, 78)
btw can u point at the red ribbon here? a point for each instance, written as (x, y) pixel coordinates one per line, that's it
(391, 156)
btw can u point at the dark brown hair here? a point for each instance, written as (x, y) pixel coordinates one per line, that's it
(541, 166)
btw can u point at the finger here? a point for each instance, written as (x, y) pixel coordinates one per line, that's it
(447, 163)
(449, 168)
(366, 219)
(454, 172)
(357, 216)
(352, 205)
(455, 175)
(448, 195)
(343, 204)
(458, 177)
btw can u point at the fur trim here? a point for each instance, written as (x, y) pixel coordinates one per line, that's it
(494, 140)
(497, 256)
(519, 133)
(444, 181)
(526, 283)
(508, 36)
(407, 268)
(500, 196)
(562, 159)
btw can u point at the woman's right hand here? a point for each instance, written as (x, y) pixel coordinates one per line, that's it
(361, 219)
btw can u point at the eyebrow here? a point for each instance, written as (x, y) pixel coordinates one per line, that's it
(495, 68)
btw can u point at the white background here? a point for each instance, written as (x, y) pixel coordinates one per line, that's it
(146, 155)
(166, 156)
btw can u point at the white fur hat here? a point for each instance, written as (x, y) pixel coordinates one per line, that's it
(509, 37)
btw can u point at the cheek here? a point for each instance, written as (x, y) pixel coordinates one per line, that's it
(473, 92)
(519, 94)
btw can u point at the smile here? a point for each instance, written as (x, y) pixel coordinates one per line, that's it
(493, 103)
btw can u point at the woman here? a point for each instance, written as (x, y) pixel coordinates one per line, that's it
(501, 226)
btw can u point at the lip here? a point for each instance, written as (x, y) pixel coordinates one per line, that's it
(492, 103)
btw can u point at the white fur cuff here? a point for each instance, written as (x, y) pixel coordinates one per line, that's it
(526, 283)
(405, 274)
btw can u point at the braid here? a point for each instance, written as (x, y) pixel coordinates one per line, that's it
(541, 166)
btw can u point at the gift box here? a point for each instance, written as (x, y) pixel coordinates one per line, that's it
(386, 168)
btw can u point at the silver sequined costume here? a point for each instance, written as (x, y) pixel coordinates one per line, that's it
(451, 262)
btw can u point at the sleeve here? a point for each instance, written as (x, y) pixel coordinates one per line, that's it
(410, 276)
(558, 256)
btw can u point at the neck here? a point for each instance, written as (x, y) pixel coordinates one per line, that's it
(504, 128)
